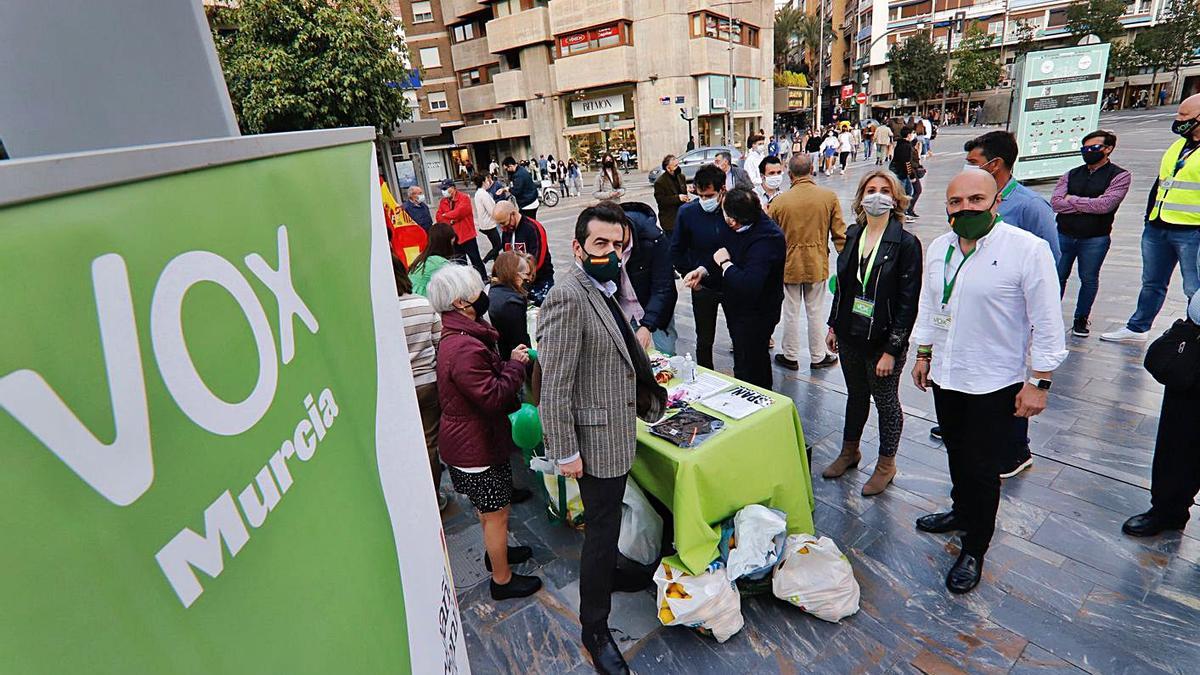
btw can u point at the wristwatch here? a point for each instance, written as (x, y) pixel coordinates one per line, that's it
(1040, 383)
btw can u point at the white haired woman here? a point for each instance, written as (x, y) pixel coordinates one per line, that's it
(477, 389)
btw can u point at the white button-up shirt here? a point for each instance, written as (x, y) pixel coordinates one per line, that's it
(1008, 285)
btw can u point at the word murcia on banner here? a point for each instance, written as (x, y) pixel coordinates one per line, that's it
(223, 522)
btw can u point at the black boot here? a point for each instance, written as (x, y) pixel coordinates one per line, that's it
(606, 657)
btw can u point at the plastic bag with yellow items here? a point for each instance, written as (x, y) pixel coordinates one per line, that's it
(709, 602)
(814, 576)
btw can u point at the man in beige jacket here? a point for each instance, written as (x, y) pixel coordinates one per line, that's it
(808, 215)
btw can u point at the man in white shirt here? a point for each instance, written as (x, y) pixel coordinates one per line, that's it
(483, 204)
(754, 156)
(985, 284)
(771, 170)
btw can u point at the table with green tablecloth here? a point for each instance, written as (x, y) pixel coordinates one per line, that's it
(759, 459)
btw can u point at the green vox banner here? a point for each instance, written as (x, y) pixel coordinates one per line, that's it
(212, 453)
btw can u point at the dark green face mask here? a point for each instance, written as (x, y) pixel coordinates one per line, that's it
(972, 223)
(602, 268)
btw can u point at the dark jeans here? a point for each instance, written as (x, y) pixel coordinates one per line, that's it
(751, 334)
(1161, 250)
(969, 423)
(1091, 252)
(844, 158)
(858, 368)
(470, 249)
(1175, 477)
(531, 213)
(493, 236)
(598, 560)
(705, 303)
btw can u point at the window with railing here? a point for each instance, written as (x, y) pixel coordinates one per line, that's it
(709, 25)
(593, 39)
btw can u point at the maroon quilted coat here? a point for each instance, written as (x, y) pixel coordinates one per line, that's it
(477, 390)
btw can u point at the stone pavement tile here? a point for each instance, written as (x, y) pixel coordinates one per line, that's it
(1122, 498)
(1092, 454)
(844, 529)
(676, 650)
(1037, 661)
(1068, 640)
(1036, 581)
(530, 635)
(1105, 549)
(1158, 631)
(634, 616)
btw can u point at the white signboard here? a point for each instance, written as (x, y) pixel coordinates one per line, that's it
(598, 105)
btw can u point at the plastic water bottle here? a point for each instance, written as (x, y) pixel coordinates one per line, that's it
(689, 368)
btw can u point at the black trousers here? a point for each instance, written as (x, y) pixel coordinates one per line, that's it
(917, 189)
(751, 335)
(1175, 477)
(493, 236)
(470, 249)
(531, 213)
(705, 303)
(598, 561)
(976, 452)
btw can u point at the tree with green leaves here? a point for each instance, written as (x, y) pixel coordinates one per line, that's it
(976, 65)
(1181, 25)
(312, 64)
(1155, 49)
(1123, 59)
(809, 32)
(916, 67)
(1026, 34)
(1101, 18)
(789, 48)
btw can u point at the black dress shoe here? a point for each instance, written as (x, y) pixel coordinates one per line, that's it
(829, 360)
(606, 658)
(939, 523)
(520, 494)
(784, 361)
(519, 586)
(965, 574)
(516, 556)
(1148, 524)
(936, 433)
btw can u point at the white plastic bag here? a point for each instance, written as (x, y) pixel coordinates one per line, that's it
(641, 527)
(562, 499)
(709, 602)
(755, 529)
(814, 576)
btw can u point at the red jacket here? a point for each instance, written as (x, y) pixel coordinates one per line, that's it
(477, 390)
(459, 213)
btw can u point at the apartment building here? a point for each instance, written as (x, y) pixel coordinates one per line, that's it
(534, 77)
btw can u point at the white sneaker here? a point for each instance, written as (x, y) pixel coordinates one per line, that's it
(1124, 335)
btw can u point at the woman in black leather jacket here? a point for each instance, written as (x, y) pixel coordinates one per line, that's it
(874, 309)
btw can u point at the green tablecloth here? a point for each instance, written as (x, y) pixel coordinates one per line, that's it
(757, 460)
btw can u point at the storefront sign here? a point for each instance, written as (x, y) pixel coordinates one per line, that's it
(598, 105)
(847, 91)
(1057, 101)
(665, 100)
(211, 444)
(679, 100)
(573, 39)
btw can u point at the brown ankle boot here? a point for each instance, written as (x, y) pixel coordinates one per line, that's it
(885, 471)
(848, 459)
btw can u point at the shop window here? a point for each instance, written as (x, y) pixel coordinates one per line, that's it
(422, 12)
(600, 37)
(431, 57)
(437, 101)
(1058, 18)
(707, 24)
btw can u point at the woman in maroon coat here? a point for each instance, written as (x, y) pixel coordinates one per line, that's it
(477, 389)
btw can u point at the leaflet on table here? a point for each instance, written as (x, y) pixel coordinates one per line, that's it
(737, 403)
(687, 428)
(705, 385)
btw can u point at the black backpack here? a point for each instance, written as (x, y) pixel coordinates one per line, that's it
(1174, 358)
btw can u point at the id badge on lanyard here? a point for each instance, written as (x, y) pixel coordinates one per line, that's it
(943, 320)
(864, 306)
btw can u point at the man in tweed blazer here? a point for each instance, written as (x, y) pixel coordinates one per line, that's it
(596, 380)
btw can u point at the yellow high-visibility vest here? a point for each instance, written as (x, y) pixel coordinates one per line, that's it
(1178, 198)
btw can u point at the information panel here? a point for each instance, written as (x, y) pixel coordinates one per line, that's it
(1057, 101)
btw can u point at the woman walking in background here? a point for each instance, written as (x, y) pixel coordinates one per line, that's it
(874, 309)
(608, 181)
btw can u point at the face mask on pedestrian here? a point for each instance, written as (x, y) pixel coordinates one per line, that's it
(877, 203)
(774, 182)
(1092, 153)
(420, 199)
(983, 166)
(602, 268)
(760, 146)
(480, 305)
(972, 223)
(710, 204)
(1185, 127)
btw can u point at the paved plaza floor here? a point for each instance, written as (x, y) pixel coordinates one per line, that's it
(1063, 590)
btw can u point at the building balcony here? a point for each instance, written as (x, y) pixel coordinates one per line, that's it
(596, 69)
(522, 29)
(492, 131)
(510, 86)
(479, 98)
(452, 10)
(708, 56)
(568, 16)
(472, 54)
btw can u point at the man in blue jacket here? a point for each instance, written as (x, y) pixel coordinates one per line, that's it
(416, 208)
(750, 262)
(697, 235)
(647, 294)
(522, 189)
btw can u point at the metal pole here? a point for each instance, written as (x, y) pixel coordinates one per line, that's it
(729, 136)
(820, 63)
(946, 78)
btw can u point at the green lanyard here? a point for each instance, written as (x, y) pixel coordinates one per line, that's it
(949, 281)
(1012, 185)
(862, 244)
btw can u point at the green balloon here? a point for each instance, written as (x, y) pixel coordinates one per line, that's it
(526, 427)
(532, 354)
(833, 284)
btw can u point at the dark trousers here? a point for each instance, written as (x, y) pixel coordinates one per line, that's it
(705, 303)
(916, 194)
(531, 213)
(493, 236)
(751, 336)
(975, 451)
(598, 560)
(1175, 477)
(470, 249)
(858, 368)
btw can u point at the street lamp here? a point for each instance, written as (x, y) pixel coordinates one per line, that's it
(689, 115)
(956, 23)
(606, 126)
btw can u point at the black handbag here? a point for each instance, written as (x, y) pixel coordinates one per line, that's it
(1174, 358)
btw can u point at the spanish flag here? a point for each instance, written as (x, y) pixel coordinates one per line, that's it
(408, 239)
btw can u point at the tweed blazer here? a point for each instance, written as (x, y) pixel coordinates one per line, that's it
(589, 402)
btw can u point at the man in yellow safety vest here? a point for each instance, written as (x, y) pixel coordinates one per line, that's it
(1172, 233)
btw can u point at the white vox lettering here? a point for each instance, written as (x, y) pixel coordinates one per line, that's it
(290, 304)
(178, 370)
(222, 522)
(123, 470)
